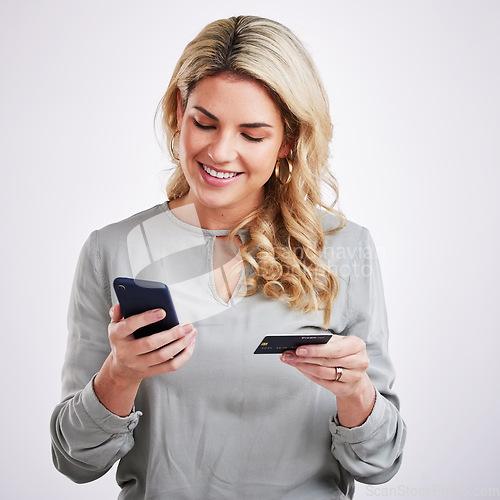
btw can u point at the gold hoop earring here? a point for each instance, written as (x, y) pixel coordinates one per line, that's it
(282, 176)
(172, 150)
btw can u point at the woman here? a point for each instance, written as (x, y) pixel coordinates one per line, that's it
(248, 248)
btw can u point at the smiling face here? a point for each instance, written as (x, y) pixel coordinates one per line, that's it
(231, 133)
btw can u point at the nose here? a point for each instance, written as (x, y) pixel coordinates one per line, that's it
(223, 148)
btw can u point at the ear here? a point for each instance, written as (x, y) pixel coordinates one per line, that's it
(180, 110)
(285, 149)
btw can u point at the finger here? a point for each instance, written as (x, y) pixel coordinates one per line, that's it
(123, 328)
(339, 388)
(137, 321)
(172, 351)
(336, 348)
(350, 361)
(326, 373)
(115, 313)
(175, 363)
(158, 340)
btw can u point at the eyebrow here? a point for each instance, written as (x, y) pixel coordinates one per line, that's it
(244, 125)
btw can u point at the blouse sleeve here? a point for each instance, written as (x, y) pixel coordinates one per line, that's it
(372, 452)
(87, 439)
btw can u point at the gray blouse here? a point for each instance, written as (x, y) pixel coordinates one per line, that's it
(229, 424)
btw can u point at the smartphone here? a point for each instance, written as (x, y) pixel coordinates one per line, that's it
(137, 296)
(276, 344)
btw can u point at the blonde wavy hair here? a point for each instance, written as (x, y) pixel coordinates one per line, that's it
(286, 236)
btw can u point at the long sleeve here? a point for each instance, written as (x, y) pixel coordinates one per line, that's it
(372, 452)
(87, 439)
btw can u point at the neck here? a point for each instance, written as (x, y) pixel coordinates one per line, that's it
(193, 213)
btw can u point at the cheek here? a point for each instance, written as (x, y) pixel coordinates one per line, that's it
(264, 160)
(189, 144)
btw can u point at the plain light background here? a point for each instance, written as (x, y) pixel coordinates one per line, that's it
(414, 99)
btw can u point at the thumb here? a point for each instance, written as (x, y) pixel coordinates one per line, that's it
(115, 313)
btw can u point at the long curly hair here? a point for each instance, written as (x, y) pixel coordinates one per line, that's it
(284, 252)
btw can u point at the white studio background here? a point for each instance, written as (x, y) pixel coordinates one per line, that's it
(414, 98)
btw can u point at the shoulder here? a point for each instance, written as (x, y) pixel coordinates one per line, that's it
(112, 239)
(115, 232)
(347, 247)
(351, 234)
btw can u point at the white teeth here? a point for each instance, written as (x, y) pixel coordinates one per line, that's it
(219, 175)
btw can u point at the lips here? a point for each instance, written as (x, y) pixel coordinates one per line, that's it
(217, 174)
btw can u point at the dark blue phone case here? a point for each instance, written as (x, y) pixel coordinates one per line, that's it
(137, 296)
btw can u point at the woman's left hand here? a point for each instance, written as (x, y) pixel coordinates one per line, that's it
(340, 366)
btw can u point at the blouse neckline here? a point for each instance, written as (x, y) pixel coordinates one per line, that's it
(242, 233)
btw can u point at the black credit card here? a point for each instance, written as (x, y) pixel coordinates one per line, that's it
(276, 344)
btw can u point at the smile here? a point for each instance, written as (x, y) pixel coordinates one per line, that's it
(218, 175)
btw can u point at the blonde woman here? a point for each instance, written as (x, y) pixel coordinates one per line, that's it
(248, 248)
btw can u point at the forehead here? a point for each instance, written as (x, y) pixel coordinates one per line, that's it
(233, 94)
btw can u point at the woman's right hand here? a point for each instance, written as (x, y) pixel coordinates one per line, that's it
(131, 360)
(137, 359)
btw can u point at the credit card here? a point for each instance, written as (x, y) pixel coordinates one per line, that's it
(276, 344)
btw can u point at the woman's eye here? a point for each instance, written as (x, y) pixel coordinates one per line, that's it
(203, 127)
(212, 127)
(253, 139)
